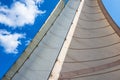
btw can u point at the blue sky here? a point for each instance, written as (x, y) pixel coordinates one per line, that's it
(20, 20)
(113, 7)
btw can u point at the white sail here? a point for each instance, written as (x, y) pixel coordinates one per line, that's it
(79, 41)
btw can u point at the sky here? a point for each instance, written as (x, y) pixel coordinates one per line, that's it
(113, 7)
(20, 20)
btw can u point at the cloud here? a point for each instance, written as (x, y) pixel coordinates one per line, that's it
(27, 42)
(9, 41)
(20, 13)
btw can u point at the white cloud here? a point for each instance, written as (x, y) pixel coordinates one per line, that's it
(20, 13)
(27, 42)
(9, 41)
